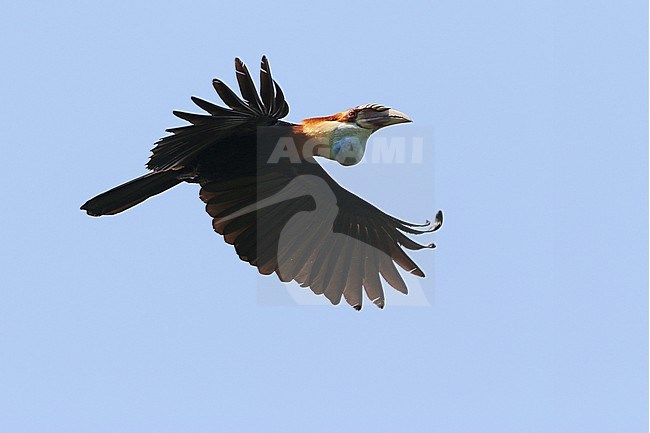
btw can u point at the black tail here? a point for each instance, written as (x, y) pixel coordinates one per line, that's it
(131, 193)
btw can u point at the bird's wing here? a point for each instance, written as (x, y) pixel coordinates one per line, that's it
(296, 221)
(243, 115)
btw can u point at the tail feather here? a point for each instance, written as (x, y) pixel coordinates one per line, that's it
(131, 193)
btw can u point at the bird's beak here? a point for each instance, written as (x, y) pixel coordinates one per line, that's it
(373, 119)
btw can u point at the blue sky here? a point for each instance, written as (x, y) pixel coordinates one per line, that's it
(534, 117)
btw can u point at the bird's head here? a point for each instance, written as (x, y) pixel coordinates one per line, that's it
(345, 134)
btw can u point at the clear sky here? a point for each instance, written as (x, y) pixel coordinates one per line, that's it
(533, 316)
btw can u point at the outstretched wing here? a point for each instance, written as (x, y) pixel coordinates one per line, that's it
(296, 221)
(244, 114)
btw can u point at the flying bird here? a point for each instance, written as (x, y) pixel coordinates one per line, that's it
(268, 196)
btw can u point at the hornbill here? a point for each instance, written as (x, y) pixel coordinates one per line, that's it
(268, 196)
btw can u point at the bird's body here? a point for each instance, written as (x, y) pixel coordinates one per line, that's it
(270, 198)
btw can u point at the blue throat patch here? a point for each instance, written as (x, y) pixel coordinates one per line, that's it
(348, 150)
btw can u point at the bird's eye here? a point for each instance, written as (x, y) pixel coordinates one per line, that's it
(352, 114)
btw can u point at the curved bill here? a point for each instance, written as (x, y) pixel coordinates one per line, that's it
(373, 119)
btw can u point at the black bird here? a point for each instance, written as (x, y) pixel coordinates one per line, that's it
(268, 196)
